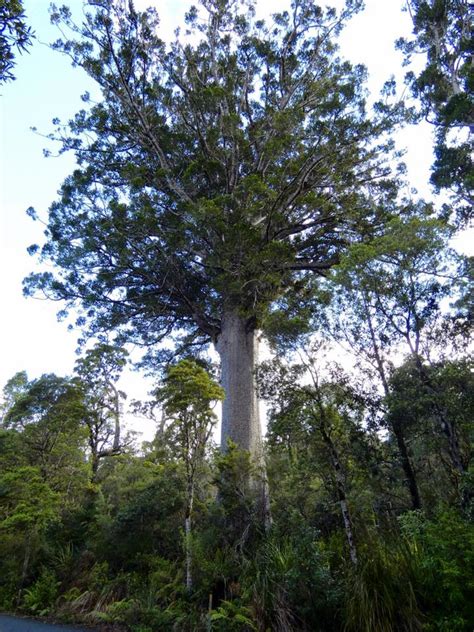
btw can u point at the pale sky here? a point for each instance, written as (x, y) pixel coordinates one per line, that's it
(47, 86)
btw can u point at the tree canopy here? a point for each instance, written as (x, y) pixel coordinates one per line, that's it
(217, 175)
(442, 30)
(216, 172)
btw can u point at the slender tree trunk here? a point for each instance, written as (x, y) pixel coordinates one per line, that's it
(187, 533)
(25, 566)
(397, 428)
(94, 465)
(26, 561)
(346, 516)
(406, 465)
(341, 493)
(237, 346)
(116, 413)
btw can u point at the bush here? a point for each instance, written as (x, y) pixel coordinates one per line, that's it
(380, 591)
(444, 551)
(41, 596)
(231, 616)
(7, 598)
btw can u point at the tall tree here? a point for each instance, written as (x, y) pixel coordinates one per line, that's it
(399, 284)
(47, 412)
(428, 401)
(356, 324)
(187, 394)
(314, 410)
(442, 30)
(216, 176)
(97, 372)
(13, 390)
(27, 507)
(410, 251)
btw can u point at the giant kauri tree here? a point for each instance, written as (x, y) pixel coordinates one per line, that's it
(217, 176)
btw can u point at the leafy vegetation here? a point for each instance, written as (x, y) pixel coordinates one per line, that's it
(170, 537)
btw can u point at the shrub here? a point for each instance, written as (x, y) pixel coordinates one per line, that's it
(231, 616)
(380, 591)
(40, 597)
(444, 551)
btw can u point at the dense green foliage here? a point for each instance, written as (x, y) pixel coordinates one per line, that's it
(345, 550)
(369, 472)
(217, 173)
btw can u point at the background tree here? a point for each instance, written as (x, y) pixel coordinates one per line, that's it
(317, 414)
(216, 176)
(443, 32)
(399, 283)
(97, 371)
(14, 33)
(47, 413)
(43, 473)
(28, 506)
(357, 318)
(187, 394)
(419, 399)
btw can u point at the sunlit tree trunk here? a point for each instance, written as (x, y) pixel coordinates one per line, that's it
(116, 414)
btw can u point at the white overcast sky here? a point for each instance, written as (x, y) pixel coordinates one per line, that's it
(47, 86)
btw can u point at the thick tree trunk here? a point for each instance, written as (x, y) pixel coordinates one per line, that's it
(237, 346)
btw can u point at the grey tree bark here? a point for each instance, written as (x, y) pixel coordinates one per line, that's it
(237, 346)
(116, 413)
